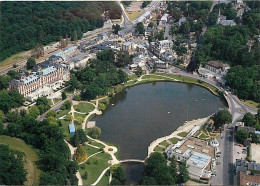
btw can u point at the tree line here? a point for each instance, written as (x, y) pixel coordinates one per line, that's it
(24, 25)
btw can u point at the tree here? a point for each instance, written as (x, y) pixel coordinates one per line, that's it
(140, 28)
(68, 104)
(101, 106)
(221, 118)
(241, 136)
(68, 117)
(249, 119)
(114, 180)
(118, 172)
(146, 180)
(77, 98)
(151, 25)
(80, 155)
(116, 28)
(13, 74)
(254, 138)
(11, 166)
(138, 71)
(34, 111)
(51, 113)
(184, 173)
(63, 95)
(79, 119)
(30, 63)
(95, 132)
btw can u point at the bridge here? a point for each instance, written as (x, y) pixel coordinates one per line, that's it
(131, 160)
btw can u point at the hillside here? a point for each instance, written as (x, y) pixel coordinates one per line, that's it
(30, 155)
(23, 25)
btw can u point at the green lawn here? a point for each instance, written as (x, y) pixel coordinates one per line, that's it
(164, 143)
(49, 102)
(56, 100)
(90, 150)
(68, 92)
(203, 136)
(95, 167)
(31, 156)
(104, 180)
(133, 76)
(81, 115)
(251, 103)
(84, 107)
(156, 149)
(62, 113)
(65, 128)
(97, 144)
(174, 140)
(182, 134)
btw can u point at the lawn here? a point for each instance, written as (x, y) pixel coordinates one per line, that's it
(62, 113)
(182, 134)
(104, 180)
(164, 143)
(157, 149)
(90, 150)
(84, 107)
(250, 103)
(94, 167)
(31, 156)
(133, 15)
(81, 115)
(97, 144)
(65, 128)
(132, 76)
(203, 136)
(174, 140)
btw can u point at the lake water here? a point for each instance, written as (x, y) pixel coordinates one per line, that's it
(146, 112)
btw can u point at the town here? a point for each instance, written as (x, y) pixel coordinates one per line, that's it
(55, 92)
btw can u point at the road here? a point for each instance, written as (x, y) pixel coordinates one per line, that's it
(167, 34)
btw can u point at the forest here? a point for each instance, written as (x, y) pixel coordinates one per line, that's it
(26, 24)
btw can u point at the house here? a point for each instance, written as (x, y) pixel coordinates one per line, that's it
(198, 154)
(164, 19)
(217, 67)
(227, 23)
(72, 128)
(160, 47)
(245, 179)
(161, 64)
(127, 46)
(182, 20)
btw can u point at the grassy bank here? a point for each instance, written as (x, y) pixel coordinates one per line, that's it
(250, 103)
(31, 156)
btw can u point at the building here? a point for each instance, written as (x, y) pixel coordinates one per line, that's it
(182, 20)
(160, 47)
(72, 128)
(127, 46)
(217, 67)
(198, 154)
(39, 83)
(222, 20)
(164, 19)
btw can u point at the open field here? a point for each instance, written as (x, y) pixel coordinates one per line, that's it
(133, 15)
(174, 140)
(30, 155)
(182, 134)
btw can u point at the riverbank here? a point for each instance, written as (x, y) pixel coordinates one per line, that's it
(149, 78)
(186, 127)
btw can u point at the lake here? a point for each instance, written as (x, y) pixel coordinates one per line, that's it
(140, 114)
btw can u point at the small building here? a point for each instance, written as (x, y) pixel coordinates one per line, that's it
(72, 128)
(164, 19)
(227, 22)
(127, 46)
(182, 20)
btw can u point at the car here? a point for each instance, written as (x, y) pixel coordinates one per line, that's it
(238, 152)
(218, 163)
(213, 174)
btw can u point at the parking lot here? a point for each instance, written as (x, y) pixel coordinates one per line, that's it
(239, 152)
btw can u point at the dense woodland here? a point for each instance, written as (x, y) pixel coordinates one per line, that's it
(26, 24)
(101, 76)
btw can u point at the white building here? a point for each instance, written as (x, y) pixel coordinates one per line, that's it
(218, 67)
(164, 19)
(182, 20)
(39, 83)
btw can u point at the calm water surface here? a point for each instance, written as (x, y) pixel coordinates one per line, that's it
(140, 115)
